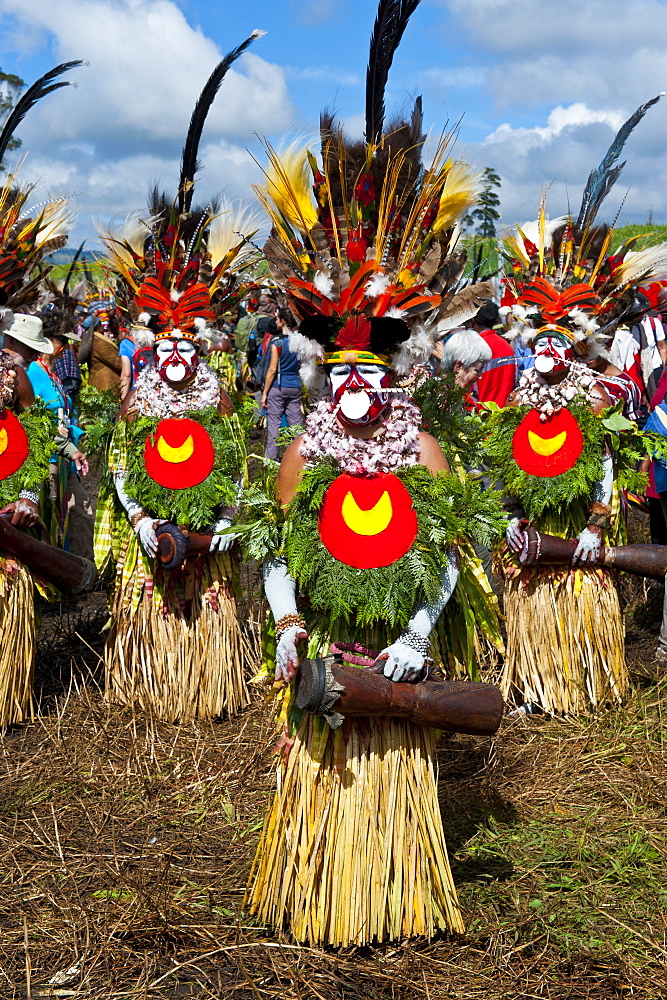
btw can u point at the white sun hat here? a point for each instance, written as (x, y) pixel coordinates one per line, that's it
(28, 330)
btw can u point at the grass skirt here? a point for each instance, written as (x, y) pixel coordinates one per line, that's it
(175, 646)
(353, 849)
(565, 640)
(17, 642)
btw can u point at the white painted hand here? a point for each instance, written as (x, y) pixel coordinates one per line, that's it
(589, 543)
(220, 543)
(287, 657)
(514, 534)
(145, 532)
(402, 662)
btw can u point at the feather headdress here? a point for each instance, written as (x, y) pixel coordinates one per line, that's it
(28, 232)
(563, 275)
(367, 230)
(177, 247)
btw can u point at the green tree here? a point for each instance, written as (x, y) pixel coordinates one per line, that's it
(10, 91)
(484, 216)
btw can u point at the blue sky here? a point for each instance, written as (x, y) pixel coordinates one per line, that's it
(540, 89)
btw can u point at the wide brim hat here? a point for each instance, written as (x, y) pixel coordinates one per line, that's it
(28, 330)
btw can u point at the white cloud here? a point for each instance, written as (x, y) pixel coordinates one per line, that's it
(125, 123)
(560, 155)
(564, 77)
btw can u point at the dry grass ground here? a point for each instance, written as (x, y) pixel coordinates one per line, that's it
(125, 845)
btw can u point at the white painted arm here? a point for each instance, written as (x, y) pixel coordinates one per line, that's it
(404, 659)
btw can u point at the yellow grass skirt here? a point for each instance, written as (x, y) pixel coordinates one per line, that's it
(17, 642)
(353, 850)
(565, 640)
(175, 646)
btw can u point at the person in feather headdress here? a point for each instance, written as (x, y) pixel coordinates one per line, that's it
(177, 457)
(353, 849)
(564, 455)
(27, 432)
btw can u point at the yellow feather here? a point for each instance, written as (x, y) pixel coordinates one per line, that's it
(288, 186)
(461, 192)
(542, 226)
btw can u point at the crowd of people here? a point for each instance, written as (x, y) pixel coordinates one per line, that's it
(445, 437)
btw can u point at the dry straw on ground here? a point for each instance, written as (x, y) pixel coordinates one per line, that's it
(125, 846)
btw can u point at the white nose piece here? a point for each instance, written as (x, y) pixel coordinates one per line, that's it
(544, 364)
(355, 405)
(175, 372)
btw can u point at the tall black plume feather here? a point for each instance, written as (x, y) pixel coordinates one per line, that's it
(390, 23)
(39, 89)
(189, 163)
(601, 181)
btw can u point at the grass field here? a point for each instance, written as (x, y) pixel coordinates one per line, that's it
(125, 846)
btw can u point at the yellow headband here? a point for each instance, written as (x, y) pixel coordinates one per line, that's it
(544, 331)
(354, 357)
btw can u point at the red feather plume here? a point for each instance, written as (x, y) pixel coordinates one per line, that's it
(195, 302)
(556, 305)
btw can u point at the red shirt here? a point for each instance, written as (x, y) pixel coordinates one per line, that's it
(498, 376)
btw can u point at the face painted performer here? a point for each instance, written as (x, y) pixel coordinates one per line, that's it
(177, 460)
(360, 553)
(27, 434)
(563, 458)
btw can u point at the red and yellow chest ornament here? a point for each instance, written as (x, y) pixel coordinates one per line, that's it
(179, 453)
(14, 445)
(550, 447)
(367, 522)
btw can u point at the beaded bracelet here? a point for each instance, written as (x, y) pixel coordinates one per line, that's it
(29, 495)
(289, 621)
(415, 640)
(138, 515)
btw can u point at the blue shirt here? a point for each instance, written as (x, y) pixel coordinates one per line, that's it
(48, 390)
(288, 367)
(657, 423)
(126, 349)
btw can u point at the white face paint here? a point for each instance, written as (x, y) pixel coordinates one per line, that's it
(357, 390)
(176, 359)
(550, 354)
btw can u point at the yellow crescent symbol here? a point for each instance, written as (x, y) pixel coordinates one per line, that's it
(3, 441)
(175, 455)
(367, 522)
(546, 446)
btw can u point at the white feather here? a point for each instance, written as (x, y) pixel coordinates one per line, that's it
(531, 230)
(229, 229)
(311, 375)
(643, 265)
(324, 284)
(414, 351)
(6, 319)
(145, 318)
(377, 285)
(584, 321)
(304, 348)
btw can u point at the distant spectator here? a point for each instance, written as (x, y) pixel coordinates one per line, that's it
(498, 376)
(648, 331)
(465, 354)
(281, 394)
(57, 327)
(99, 351)
(126, 351)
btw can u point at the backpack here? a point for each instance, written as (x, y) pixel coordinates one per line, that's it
(261, 367)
